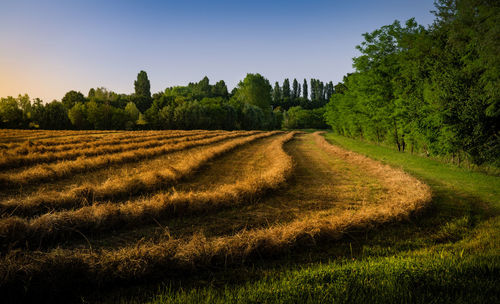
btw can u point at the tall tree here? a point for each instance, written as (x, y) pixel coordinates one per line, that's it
(329, 90)
(305, 92)
(313, 89)
(277, 97)
(142, 85)
(286, 89)
(142, 97)
(321, 90)
(295, 88)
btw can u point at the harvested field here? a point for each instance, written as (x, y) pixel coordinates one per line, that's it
(124, 207)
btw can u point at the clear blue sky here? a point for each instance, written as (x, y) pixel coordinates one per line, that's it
(50, 47)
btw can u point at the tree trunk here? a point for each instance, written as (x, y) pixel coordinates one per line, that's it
(396, 137)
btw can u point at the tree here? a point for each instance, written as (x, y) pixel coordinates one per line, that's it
(296, 89)
(55, 117)
(142, 96)
(305, 92)
(286, 89)
(24, 103)
(201, 89)
(313, 89)
(78, 116)
(253, 118)
(298, 118)
(71, 98)
(10, 114)
(142, 85)
(120, 119)
(132, 111)
(220, 89)
(468, 76)
(255, 90)
(37, 113)
(91, 93)
(321, 91)
(277, 97)
(329, 90)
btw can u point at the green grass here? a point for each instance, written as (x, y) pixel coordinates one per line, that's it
(448, 254)
(390, 280)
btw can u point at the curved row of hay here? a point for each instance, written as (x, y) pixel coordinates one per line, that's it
(15, 161)
(63, 169)
(117, 187)
(408, 194)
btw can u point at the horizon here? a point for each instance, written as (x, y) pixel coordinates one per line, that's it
(61, 46)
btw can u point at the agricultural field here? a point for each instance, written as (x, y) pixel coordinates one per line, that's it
(88, 214)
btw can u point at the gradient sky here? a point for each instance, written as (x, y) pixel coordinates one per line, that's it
(50, 47)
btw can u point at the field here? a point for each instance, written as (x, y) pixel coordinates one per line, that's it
(219, 216)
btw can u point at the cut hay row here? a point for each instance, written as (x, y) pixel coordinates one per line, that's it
(38, 147)
(118, 187)
(108, 216)
(23, 143)
(50, 135)
(16, 161)
(48, 172)
(52, 143)
(20, 133)
(36, 132)
(49, 140)
(406, 191)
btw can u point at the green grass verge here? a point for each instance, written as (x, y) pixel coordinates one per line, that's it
(449, 254)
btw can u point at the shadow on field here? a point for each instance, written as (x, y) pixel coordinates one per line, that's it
(449, 219)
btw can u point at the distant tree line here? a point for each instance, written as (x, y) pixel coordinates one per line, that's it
(285, 97)
(435, 90)
(201, 105)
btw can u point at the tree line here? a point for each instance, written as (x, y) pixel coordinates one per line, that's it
(253, 104)
(286, 97)
(433, 90)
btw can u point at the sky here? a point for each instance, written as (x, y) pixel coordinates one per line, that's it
(48, 48)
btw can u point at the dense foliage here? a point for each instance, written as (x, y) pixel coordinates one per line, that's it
(251, 105)
(433, 90)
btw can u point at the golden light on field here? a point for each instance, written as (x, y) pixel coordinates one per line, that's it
(112, 200)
